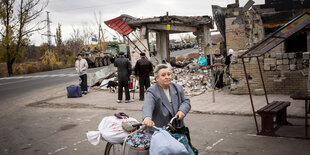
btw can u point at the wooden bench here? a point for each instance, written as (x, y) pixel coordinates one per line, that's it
(275, 109)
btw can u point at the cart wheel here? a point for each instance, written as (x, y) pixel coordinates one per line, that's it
(113, 149)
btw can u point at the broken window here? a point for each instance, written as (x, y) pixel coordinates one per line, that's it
(296, 43)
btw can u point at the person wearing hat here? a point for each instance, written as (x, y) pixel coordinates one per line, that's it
(124, 70)
(81, 66)
(143, 68)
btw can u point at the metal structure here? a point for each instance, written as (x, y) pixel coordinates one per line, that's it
(48, 33)
(267, 44)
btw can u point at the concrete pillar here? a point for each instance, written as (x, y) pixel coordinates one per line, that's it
(206, 41)
(161, 45)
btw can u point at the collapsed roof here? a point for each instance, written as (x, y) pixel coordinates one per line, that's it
(190, 21)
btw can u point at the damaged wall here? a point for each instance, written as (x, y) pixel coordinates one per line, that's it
(284, 71)
(244, 30)
(280, 73)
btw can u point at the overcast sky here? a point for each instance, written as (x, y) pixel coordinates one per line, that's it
(75, 13)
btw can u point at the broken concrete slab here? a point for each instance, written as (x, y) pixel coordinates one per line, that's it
(97, 77)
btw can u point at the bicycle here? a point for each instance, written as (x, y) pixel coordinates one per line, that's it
(118, 149)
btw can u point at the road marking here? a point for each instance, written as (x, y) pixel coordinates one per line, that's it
(16, 82)
(39, 76)
(217, 142)
(60, 149)
(65, 147)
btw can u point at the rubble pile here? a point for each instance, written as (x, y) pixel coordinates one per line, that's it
(182, 61)
(194, 83)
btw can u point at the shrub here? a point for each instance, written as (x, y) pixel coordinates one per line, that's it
(32, 68)
(18, 69)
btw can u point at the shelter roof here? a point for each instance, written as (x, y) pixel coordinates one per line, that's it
(192, 21)
(277, 37)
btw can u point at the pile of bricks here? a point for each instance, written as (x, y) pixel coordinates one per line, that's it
(193, 83)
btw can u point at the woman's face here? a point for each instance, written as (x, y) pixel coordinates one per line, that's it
(164, 78)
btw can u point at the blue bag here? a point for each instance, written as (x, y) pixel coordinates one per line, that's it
(202, 61)
(74, 91)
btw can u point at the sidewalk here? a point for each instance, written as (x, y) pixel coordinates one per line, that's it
(225, 103)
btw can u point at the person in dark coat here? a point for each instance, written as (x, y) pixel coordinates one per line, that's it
(124, 70)
(228, 60)
(143, 68)
(218, 69)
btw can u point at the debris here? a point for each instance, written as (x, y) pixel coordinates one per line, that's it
(195, 82)
(95, 79)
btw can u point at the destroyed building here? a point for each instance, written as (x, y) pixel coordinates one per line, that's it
(165, 25)
(285, 67)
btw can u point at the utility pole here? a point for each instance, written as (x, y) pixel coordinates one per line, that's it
(48, 33)
(211, 64)
(167, 39)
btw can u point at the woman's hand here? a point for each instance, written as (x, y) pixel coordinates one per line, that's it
(148, 122)
(180, 115)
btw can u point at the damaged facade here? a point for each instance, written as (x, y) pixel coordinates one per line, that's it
(199, 25)
(285, 67)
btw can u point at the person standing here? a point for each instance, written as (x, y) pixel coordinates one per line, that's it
(228, 60)
(218, 62)
(124, 70)
(143, 68)
(81, 66)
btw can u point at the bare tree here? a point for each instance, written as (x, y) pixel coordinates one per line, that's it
(88, 32)
(75, 43)
(58, 38)
(101, 33)
(17, 27)
(59, 43)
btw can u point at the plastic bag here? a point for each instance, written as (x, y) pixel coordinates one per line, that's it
(110, 129)
(162, 143)
(202, 61)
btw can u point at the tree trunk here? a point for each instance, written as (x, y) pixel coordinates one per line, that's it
(9, 65)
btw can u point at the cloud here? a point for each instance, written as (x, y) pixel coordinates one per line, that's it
(73, 13)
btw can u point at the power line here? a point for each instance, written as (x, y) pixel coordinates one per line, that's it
(48, 33)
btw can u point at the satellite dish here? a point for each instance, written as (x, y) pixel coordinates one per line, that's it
(248, 5)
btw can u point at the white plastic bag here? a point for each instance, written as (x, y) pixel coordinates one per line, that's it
(110, 128)
(162, 143)
(93, 137)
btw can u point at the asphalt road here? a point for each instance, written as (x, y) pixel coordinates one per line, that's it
(17, 86)
(182, 52)
(63, 131)
(12, 87)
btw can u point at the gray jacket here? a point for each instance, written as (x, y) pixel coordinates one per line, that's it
(81, 66)
(157, 107)
(123, 68)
